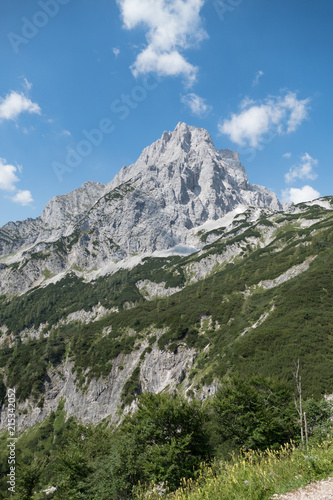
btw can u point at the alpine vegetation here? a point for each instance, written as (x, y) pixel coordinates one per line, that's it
(165, 319)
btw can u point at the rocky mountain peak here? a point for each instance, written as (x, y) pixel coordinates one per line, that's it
(68, 206)
(178, 183)
(192, 135)
(185, 139)
(185, 148)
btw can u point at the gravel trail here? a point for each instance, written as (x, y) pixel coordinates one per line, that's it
(321, 490)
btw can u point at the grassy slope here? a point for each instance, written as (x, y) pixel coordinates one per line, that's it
(256, 476)
(250, 476)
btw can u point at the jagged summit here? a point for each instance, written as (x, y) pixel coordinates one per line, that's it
(184, 145)
(178, 183)
(187, 167)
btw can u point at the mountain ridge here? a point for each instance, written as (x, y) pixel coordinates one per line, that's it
(256, 297)
(178, 183)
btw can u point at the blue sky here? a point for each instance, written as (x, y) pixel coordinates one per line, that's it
(85, 85)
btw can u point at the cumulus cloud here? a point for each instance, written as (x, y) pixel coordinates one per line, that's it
(295, 195)
(287, 155)
(275, 115)
(298, 111)
(259, 74)
(172, 26)
(303, 170)
(8, 176)
(8, 180)
(196, 104)
(24, 198)
(16, 103)
(116, 51)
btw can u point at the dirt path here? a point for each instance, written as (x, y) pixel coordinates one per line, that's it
(321, 490)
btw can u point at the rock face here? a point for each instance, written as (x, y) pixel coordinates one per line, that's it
(58, 218)
(102, 398)
(178, 183)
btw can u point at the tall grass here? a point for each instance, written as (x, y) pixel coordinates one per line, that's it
(253, 475)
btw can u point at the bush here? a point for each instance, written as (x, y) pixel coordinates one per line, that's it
(170, 438)
(257, 413)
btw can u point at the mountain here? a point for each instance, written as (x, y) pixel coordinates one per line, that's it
(172, 276)
(179, 183)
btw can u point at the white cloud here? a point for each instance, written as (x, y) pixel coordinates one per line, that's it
(295, 195)
(27, 84)
(304, 170)
(8, 179)
(8, 176)
(298, 111)
(259, 74)
(287, 155)
(246, 103)
(24, 198)
(14, 104)
(278, 115)
(66, 132)
(116, 51)
(172, 26)
(196, 104)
